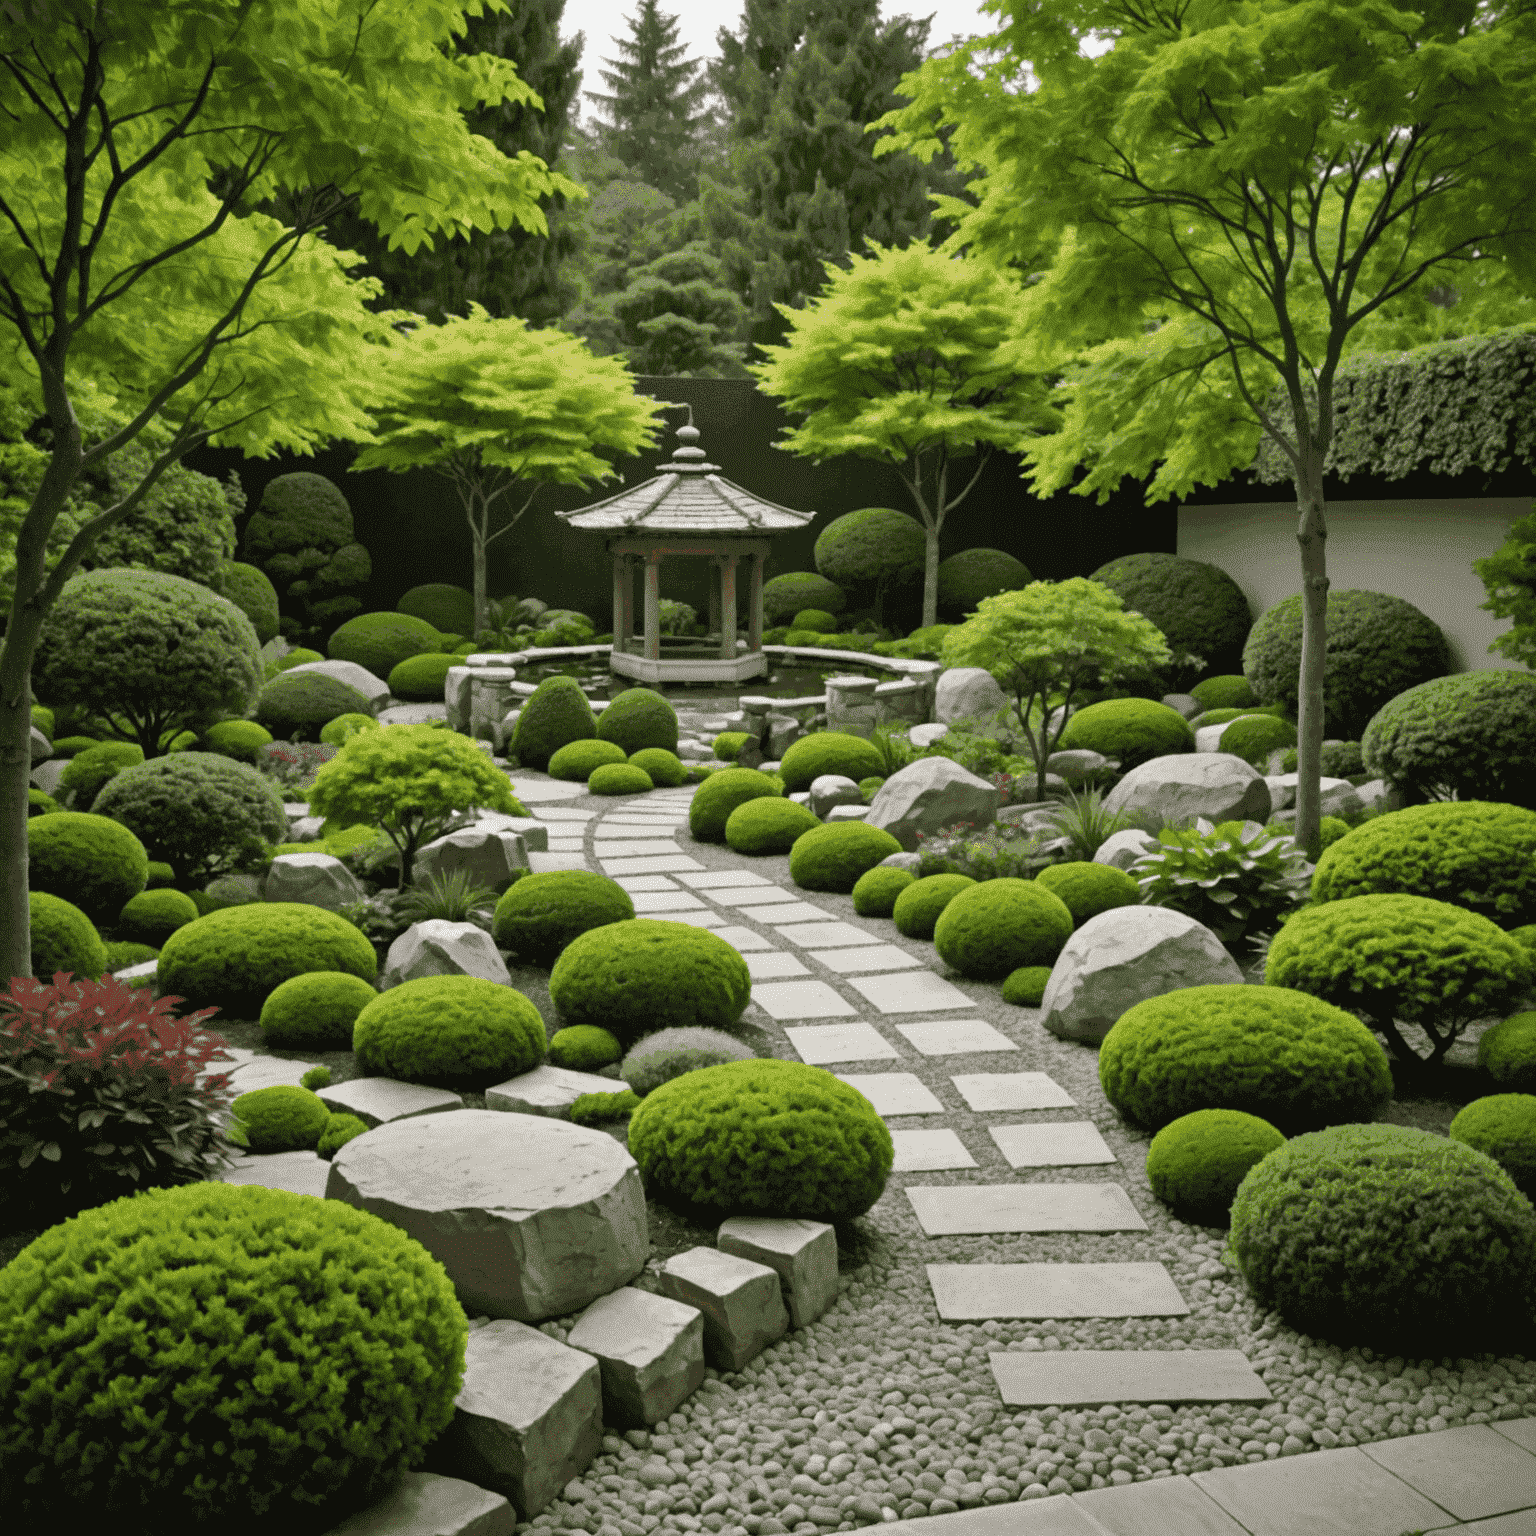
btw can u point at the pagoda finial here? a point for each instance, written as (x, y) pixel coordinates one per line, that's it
(689, 457)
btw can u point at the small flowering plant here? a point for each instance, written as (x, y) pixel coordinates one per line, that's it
(988, 855)
(1235, 878)
(294, 764)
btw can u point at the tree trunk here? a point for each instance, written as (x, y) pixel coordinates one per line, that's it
(477, 538)
(1312, 535)
(15, 780)
(931, 575)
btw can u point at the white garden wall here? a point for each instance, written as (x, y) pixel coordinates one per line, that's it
(1418, 550)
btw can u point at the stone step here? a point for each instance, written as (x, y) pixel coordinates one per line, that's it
(378, 1100)
(975, 1292)
(1090, 1378)
(865, 959)
(1011, 1090)
(894, 1093)
(1059, 1144)
(976, 1209)
(742, 1303)
(802, 1253)
(794, 999)
(821, 1045)
(428, 1504)
(954, 1037)
(300, 1173)
(922, 992)
(929, 1152)
(714, 879)
(651, 864)
(547, 1090)
(649, 1350)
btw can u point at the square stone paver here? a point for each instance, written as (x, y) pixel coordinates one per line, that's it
(1324, 1493)
(648, 902)
(637, 883)
(921, 993)
(929, 1152)
(972, 1210)
(654, 864)
(555, 863)
(893, 1093)
(785, 913)
(1521, 1431)
(1012, 1090)
(801, 1000)
(1059, 1144)
(1091, 1377)
(1170, 1506)
(764, 895)
(1472, 1471)
(866, 958)
(621, 848)
(978, 1291)
(774, 966)
(744, 938)
(562, 813)
(820, 1046)
(714, 879)
(813, 935)
(955, 1037)
(705, 919)
(565, 845)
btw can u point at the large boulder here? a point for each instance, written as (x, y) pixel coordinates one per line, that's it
(372, 688)
(42, 748)
(316, 879)
(1121, 958)
(1077, 765)
(1122, 849)
(1183, 785)
(967, 693)
(491, 857)
(532, 1217)
(929, 795)
(1339, 796)
(438, 947)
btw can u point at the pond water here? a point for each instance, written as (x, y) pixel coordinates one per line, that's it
(782, 682)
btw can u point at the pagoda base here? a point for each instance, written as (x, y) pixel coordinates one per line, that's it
(689, 669)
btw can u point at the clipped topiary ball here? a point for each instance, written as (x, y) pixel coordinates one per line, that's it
(338, 732)
(96, 863)
(421, 678)
(639, 718)
(63, 939)
(1391, 1238)
(665, 769)
(449, 1031)
(1025, 987)
(817, 620)
(1503, 1126)
(876, 890)
(763, 1138)
(1199, 608)
(720, 794)
(833, 857)
(315, 1011)
(669, 1053)
(121, 954)
(91, 767)
(767, 825)
(828, 752)
(919, 906)
(577, 760)
(1000, 925)
(295, 705)
(973, 574)
(583, 1048)
(1195, 1163)
(281, 1119)
(40, 804)
(619, 779)
(152, 917)
(339, 1130)
(539, 915)
(1507, 1053)
(1331, 829)
(1291, 1059)
(1089, 889)
(1129, 730)
(241, 740)
(1229, 690)
(1378, 647)
(247, 587)
(448, 609)
(870, 547)
(1255, 737)
(381, 641)
(789, 594)
(217, 1277)
(555, 714)
(642, 974)
(728, 744)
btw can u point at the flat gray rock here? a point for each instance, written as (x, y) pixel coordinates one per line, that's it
(427, 1504)
(974, 1209)
(1012, 1090)
(301, 1173)
(929, 1151)
(547, 1090)
(1471, 1470)
(534, 833)
(1168, 1506)
(832, 789)
(1092, 1377)
(378, 1100)
(977, 1291)
(894, 1093)
(1055, 1144)
(649, 1349)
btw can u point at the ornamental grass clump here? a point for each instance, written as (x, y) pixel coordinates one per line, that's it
(658, 1058)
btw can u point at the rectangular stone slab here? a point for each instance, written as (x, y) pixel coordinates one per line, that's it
(1058, 1144)
(547, 1091)
(653, 864)
(923, 993)
(617, 848)
(744, 938)
(555, 863)
(714, 879)
(565, 845)
(1012, 1090)
(801, 1000)
(929, 1152)
(893, 1093)
(774, 966)
(1089, 1378)
(821, 1045)
(1472, 1470)
(809, 935)
(955, 1037)
(865, 959)
(980, 1208)
(1170, 1506)
(637, 883)
(693, 919)
(655, 902)
(764, 895)
(978, 1291)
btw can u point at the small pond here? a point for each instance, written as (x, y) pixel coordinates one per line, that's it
(782, 682)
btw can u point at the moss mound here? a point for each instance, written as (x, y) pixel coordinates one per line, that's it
(241, 740)
(339, 1130)
(448, 609)
(639, 718)
(1025, 987)
(1507, 1053)
(577, 760)
(619, 779)
(584, 1048)
(280, 1119)
(297, 704)
(817, 620)
(973, 574)
(449, 1031)
(1255, 737)
(833, 857)
(1088, 889)
(1195, 1163)
(422, 678)
(555, 714)
(381, 641)
(63, 939)
(1000, 925)
(788, 594)
(665, 769)
(91, 767)
(152, 917)
(539, 915)
(658, 1058)
(728, 744)
(1228, 690)
(767, 825)
(720, 794)
(1129, 730)
(920, 905)
(89, 860)
(338, 732)
(315, 1011)
(828, 752)
(1503, 1126)
(876, 890)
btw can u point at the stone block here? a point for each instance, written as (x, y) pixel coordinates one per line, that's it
(1093, 1377)
(848, 813)
(833, 789)
(439, 947)
(1378, 795)
(546, 1090)
(489, 857)
(428, 1504)
(490, 698)
(1079, 766)
(46, 776)
(134, 972)
(528, 1419)
(372, 688)
(456, 698)
(923, 736)
(977, 1209)
(971, 1292)
(1122, 849)
(929, 795)
(967, 693)
(1183, 785)
(534, 833)
(802, 1253)
(379, 1100)
(1186, 704)
(306, 829)
(649, 1349)
(743, 1308)
(913, 862)
(315, 879)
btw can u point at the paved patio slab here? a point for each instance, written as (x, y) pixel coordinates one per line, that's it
(893, 1093)
(975, 1209)
(1169, 1506)
(1012, 1090)
(1055, 1516)
(1089, 1378)
(1472, 1471)
(866, 958)
(530, 791)
(714, 879)
(654, 864)
(649, 902)
(1521, 1431)
(627, 847)
(829, 935)
(1061, 1144)
(563, 813)
(820, 1046)
(565, 845)
(637, 883)
(554, 863)
(714, 920)
(801, 1000)
(744, 938)
(923, 993)
(979, 1291)
(955, 1037)
(774, 966)
(929, 1152)
(764, 895)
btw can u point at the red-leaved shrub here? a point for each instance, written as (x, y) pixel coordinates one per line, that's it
(99, 1097)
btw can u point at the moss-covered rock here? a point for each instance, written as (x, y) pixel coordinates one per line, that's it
(920, 905)
(381, 641)
(421, 678)
(1227, 690)
(555, 714)
(1129, 730)
(1025, 987)
(828, 752)
(639, 718)
(665, 769)
(1089, 889)
(1195, 1163)
(584, 1048)
(447, 608)
(876, 890)
(63, 939)
(1255, 737)
(619, 779)
(296, 705)
(152, 917)
(576, 760)
(280, 1119)
(1000, 925)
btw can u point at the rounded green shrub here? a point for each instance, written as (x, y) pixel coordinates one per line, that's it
(1224, 716)
(719, 795)
(421, 678)
(1254, 737)
(1390, 1238)
(1228, 690)
(642, 974)
(250, 590)
(1288, 1058)
(201, 1268)
(93, 861)
(1000, 925)
(314, 1011)
(665, 769)
(539, 915)
(576, 761)
(728, 744)
(122, 953)
(152, 917)
(619, 779)
(658, 1058)
(639, 718)
(339, 1130)
(63, 939)
(763, 1138)
(966, 578)
(1472, 735)
(281, 1119)
(43, 719)
(1507, 1053)
(584, 1048)
(1331, 829)
(876, 890)
(299, 656)
(1129, 730)
(1475, 854)
(767, 825)
(236, 956)
(338, 732)
(1378, 647)
(555, 714)
(1343, 760)
(41, 804)
(871, 547)
(1089, 889)
(239, 739)
(295, 705)
(1503, 1126)
(828, 752)
(833, 857)
(919, 906)
(447, 608)
(73, 746)
(817, 620)
(160, 874)
(870, 787)
(449, 1031)
(92, 767)
(1025, 987)
(1195, 1163)
(197, 811)
(381, 641)
(796, 590)
(1200, 610)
